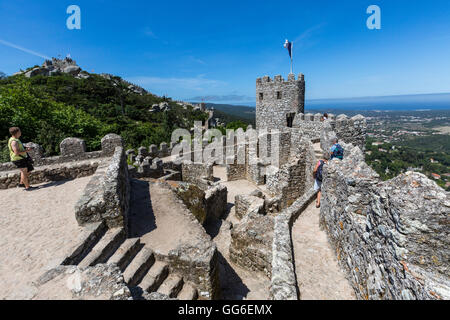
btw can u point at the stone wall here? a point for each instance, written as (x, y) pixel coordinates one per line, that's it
(295, 177)
(192, 172)
(309, 124)
(107, 195)
(198, 264)
(196, 261)
(72, 149)
(349, 130)
(283, 280)
(277, 98)
(58, 172)
(352, 131)
(246, 203)
(235, 172)
(391, 238)
(216, 201)
(205, 205)
(151, 153)
(251, 240)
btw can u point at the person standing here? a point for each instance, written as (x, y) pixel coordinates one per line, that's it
(20, 158)
(317, 173)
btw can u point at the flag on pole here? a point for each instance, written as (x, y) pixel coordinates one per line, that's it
(288, 46)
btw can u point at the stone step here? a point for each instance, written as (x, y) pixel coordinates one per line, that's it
(155, 277)
(106, 247)
(91, 235)
(126, 252)
(189, 292)
(171, 286)
(139, 266)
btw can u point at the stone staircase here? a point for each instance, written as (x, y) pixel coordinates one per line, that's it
(139, 265)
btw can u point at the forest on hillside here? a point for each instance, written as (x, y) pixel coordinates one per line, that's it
(51, 108)
(428, 155)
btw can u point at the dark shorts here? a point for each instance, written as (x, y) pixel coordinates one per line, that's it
(24, 163)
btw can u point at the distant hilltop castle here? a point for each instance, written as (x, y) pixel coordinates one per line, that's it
(56, 66)
(69, 66)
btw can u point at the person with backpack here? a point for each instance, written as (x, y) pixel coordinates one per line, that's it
(336, 150)
(20, 158)
(318, 172)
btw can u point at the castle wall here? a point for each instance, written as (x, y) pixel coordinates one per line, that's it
(193, 172)
(309, 125)
(349, 130)
(251, 240)
(55, 172)
(293, 178)
(276, 98)
(107, 195)
(72, 149)
(392, 237)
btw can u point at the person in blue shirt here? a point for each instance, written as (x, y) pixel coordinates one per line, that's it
(336, 150)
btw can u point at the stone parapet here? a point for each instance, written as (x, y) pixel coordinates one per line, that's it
(72, 149)
(391, 237)
(107, 195)
(283, 280)
(54, 172)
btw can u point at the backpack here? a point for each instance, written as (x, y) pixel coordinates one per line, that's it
(338, 152)
(319, 170)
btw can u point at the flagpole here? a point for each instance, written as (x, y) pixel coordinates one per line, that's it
(292, 54)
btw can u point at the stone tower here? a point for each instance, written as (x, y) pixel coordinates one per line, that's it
(278, 101)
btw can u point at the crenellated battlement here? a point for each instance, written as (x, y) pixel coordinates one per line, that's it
(351, 130)
(279, 79)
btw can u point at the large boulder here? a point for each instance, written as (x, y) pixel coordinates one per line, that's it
(73, 70)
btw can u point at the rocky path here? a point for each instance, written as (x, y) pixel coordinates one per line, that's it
(319, 276)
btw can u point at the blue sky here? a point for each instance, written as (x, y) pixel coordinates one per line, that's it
(189, 49)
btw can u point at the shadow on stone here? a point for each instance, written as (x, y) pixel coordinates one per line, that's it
(137, 293)
(212, 227)
(54, 183)
(231, 284)
(142, 217)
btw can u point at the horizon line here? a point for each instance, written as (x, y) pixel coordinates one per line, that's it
(322, 99)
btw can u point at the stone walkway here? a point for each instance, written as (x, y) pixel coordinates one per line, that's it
(37, 229)
(319, 276)
(159, 219)
(236, 282)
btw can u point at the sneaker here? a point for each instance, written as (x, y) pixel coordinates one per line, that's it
(21, 185)
(31, 188)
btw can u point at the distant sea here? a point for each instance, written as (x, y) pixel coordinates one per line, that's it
(420, 102)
